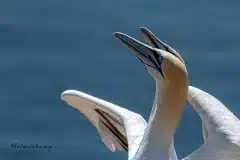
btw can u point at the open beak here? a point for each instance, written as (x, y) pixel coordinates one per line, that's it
(152, 40)
(146, 54)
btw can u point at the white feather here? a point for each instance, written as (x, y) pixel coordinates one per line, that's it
(222, 141)
(110, 120)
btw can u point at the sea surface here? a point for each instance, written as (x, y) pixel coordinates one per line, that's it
(49, 46)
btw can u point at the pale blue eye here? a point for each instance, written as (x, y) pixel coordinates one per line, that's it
(160, 59)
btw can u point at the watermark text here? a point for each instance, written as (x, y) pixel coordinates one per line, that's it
(16, 145)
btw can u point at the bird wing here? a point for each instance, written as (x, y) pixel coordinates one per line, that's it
(216, 117)
(221, 128)
(118, 127)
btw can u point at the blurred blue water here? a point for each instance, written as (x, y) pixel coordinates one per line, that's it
(51, 45)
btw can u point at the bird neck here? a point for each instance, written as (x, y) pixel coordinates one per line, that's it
(165, 116)
(168, 108)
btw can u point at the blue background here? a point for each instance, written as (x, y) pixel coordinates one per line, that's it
(49, 46)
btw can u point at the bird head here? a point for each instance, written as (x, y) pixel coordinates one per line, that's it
(161, 64)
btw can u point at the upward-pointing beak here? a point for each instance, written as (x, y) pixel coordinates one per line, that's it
(152, 40)
(146, 54)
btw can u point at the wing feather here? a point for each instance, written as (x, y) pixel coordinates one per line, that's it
(118, 127)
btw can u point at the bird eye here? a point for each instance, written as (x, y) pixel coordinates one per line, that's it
(160, 59)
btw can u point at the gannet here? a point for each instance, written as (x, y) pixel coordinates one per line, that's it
(221, 128)
(123, 129)
(220, 125)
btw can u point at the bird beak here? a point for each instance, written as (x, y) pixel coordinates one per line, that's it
(146, 54)
(152, 40)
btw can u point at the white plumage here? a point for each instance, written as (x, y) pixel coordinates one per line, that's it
(118, 127)
(122, 129)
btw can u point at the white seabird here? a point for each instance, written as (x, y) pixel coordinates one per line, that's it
(123, 129)
(221, 128)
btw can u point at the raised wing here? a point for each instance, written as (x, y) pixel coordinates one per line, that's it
(221, 128)
(118, 127)
(214, 114)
